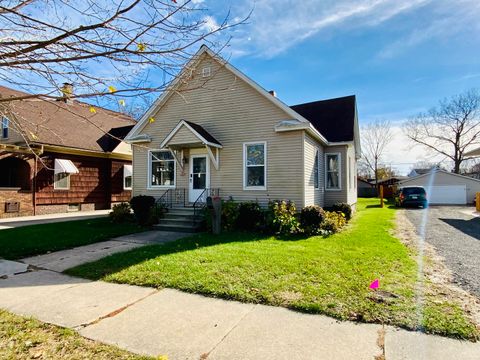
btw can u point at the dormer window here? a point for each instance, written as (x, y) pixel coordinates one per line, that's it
(5, 125)
(206, 71)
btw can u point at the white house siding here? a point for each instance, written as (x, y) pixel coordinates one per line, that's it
(234, 113)
(442, 178)
(313, 196)
(351, 167)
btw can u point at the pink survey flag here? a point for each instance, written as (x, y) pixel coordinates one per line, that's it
(374, 285)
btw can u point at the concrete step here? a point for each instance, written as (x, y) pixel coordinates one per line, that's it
(190, 217)
(180, 221)
(177, 228)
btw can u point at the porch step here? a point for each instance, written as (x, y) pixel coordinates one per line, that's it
(180, 219)
(176, 228)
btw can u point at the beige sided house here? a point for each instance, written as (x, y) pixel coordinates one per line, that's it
(217, 131)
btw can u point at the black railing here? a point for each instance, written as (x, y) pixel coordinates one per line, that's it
(201, 201)
(173, 197)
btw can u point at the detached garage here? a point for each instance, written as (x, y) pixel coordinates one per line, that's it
(446, 188)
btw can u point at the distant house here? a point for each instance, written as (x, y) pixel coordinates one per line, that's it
(61, 158)
(421, 171)
(216, 131)
(365, 188)
(445, 187)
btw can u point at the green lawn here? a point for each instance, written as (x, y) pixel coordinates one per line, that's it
(319, 275)
(22, 338)
(39, 239)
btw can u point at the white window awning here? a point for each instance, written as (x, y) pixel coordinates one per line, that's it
(65, 166)
(127, 170)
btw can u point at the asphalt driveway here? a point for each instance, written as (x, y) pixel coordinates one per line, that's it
(456, 236)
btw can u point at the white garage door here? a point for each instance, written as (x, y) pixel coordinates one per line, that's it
(452, 194)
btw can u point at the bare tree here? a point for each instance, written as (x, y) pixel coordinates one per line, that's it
(375, 138)
(112, 51)
(450, 129)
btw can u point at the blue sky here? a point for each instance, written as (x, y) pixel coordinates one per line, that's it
(400, 57)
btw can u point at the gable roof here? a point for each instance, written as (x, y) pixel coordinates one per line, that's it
(437, 171)
(202, 134)
(72, 125)
(177, 83)
(109, 143)
(333, 118)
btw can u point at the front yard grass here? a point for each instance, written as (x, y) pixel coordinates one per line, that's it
(318, 275)
(32, 240)
(23, 338)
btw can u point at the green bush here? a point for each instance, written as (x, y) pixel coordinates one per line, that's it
(229, 214)
(141, 206)
(344, 208)
(250, 217)
(121, 213)
(156, 212)
(281, 217)
(333, 222)
(311, 219)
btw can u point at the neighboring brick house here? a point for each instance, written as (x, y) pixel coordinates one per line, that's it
(58, 156)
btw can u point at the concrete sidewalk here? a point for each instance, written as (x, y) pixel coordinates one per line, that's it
(188, 326)
(52, 218)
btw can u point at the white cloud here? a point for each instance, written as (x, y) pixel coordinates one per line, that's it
(447, 19)
(276, 26)
(209, 23)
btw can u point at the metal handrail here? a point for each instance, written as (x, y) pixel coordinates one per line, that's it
(165, 199)
(201, 201)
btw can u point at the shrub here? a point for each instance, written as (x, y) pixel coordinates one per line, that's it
(311, 219)
(333, 222)
(141, 206)
(121, 213)
(155, 213)
(344, 208)
(281, 217)
(250, 217)
(229, 214)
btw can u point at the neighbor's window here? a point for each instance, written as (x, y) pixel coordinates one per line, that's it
(5, 125)
(254, 159)
(61, 181)
(332, 164)
(127, 177)
(316, 170)
(162, 168)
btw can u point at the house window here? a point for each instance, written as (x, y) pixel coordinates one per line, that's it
(5, 125)
(127, 177)
(316, 170)
(255, 170)
(206, 71)
(333, 173)
(61, 181)
(162, 169)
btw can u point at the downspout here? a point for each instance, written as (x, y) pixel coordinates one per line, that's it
(34, 187)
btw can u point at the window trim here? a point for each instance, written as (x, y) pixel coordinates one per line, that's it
(255, 188)
(149, 171)
(317, 156)
(339, 171)
(124, 177)
(55, 186)
(5, 120)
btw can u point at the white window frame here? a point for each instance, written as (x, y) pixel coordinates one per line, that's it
(339, 172)
(6, 121)
(245, 187)
(55, 184)
(149, 167)
(206, 71)
(317, 156)
(124, 177)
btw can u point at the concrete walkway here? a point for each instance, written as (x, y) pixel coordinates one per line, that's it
(52, 218)
(187, 326)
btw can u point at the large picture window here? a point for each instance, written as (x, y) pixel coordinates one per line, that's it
(332, 171)
(162, 169)
(255, 160)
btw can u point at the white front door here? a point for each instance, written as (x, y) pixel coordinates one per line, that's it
(199, 177)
